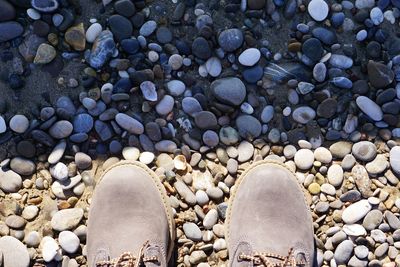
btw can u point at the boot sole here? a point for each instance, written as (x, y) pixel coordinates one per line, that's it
(240, 180)
(163, 194)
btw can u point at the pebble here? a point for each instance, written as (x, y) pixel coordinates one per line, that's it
(210, 219)
(22, 166)
(395, 159)
(68, 241)
(303, 114)
(364, 150)
(67, 219)
(230, 39)
(93, 31)
(102, 49)
(245, 150)
(335, 175)
(231, 91)
(176, 87)
(49, 248)
(59, 171)
(248, 127)
(10, 30)
(356, 211)
(165, 106)
(304, 159)
(130, 124)
(14, 252)
(192, 231)
(249, 57)
(318, 9)
(10, 181)
(61, 129)
(323, 155)
(343, 252)
(213, 66)
(45, 54)
(19, 123)
(148, 28)
(370, 108)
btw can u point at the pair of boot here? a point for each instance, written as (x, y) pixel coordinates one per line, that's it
(131, 223)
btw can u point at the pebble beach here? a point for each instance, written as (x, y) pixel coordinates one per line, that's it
(198, 90)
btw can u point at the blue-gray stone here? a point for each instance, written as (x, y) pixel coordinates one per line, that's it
(83, 123)
(230, 39)
(104, 130)
(102, 49)
(10, 30)
(326, 36)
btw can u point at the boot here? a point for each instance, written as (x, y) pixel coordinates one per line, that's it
(268, 222)
(130, 219)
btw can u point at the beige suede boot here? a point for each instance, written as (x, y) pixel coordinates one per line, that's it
(268, 221)
(130, 219)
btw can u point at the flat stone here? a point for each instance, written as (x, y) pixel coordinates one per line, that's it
(19, 123)
(318, 9)
(379, 74)
(10, 30)
(248, 127)
(245, 150)
(22, 166)
(61, 129)
(230, 39)
(303, 114)
(343, 252)
(356, 211)
(249, 57)
(340, 149)
(210, 219)
(192, 231)
(370, 108)
(10, 181)
(66, 219)
(335, 175)
(130, 124)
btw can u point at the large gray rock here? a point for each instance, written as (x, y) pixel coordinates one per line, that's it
(230, 90)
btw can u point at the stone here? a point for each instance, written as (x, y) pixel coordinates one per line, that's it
(165, 106)
(379, 74)
(125, 8)
(341, 61)
(57, 153)
(120, 26)
(130, 124)
(10, 30)
(327, 109)
(45, 6)
(166, 146)
(14, 253)
(378, 165)
(356, 211)
(340, 149)
(75, 37)
(191, 106)
(61, 129)
(32, 239)
(192, 231)
(82, 160)
(304, 159)
(210, 138)
(230, 90)
(249, 57)
(176, 87)
(22, 166)
(267, 114)
(45, 54)
(245, 150)
(335, 175)
(59, 171)
(230, 39)
(201, 48)
(30, 212)
(318, 9)
(66, 219)
(102, 49)
(164, 35)
(376, 15)
(323, 155)
(364, 150)
(325, 35)
(343, 252)
(210, 219)
(185, 192)
(303, 114)
(205, 120)
(395, 159)
(319, 72)
(68, 241)
(19, 123)
(148, 28)
(370, 108)
(305, 87)
(354, 230)
(248, 127)
(83, 123)
(213, 66)
(49, 248)
(10, 181)
(7, 11)
(92, 32)
(15, 222)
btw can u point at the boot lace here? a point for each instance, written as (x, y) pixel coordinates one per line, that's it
(264, 259)
(128, 260)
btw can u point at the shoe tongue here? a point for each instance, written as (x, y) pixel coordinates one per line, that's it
(153, 251)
